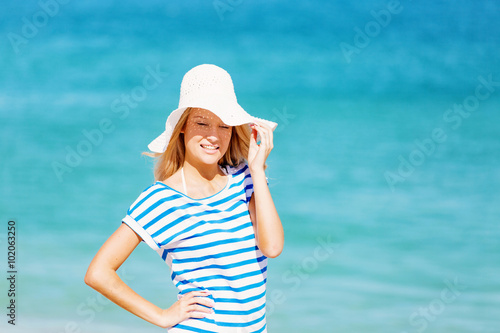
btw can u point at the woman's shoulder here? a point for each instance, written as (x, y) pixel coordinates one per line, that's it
(164, 187)
(174, 181)
(149, 195)
(155, 189)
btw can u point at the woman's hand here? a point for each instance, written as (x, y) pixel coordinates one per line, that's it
(258, 153)
(189, 305)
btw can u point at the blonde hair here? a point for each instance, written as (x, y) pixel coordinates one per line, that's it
(172, 159)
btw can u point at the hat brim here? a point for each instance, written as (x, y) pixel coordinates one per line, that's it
(159, 145)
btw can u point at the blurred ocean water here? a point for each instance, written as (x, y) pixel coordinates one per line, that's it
(389, 227)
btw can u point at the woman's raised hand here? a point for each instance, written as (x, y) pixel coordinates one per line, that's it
(258, 153)
(194, 304)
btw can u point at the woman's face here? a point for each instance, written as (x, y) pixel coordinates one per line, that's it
(206, 137)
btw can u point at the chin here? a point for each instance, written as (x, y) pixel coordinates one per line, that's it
(212, 159)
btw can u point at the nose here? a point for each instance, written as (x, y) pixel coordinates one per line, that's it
(213, 133)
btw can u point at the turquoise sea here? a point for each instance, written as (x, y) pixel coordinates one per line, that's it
(385, 171)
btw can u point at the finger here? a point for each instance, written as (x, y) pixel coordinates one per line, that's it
(268, 133)
(268, 137)
(193, 296)
(201, 297)
(198, 293)
(197, 315)
(262, 124)
(205, 301)
(199, 308)
(253, 136)
(263, 135)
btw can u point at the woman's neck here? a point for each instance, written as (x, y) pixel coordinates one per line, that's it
(201, 171)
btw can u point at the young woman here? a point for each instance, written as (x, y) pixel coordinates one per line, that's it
(209, 215)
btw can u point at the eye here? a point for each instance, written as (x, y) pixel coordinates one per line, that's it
(224, 127)
(202, 124)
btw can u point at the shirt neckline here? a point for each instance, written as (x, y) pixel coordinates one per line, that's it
(229, 177)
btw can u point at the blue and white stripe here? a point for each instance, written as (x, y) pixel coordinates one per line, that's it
(209, 244)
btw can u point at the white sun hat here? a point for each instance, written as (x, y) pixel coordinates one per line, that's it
(208, 87)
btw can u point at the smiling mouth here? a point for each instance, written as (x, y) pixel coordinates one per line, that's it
(210, 147)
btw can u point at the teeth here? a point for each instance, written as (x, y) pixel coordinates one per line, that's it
(209, 147)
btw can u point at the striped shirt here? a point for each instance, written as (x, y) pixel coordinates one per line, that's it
(209, 244)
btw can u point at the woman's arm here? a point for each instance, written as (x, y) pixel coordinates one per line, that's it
(101, 275)
(265, 219)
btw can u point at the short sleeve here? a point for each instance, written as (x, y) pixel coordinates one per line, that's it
(142, 214)
(248, 183)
